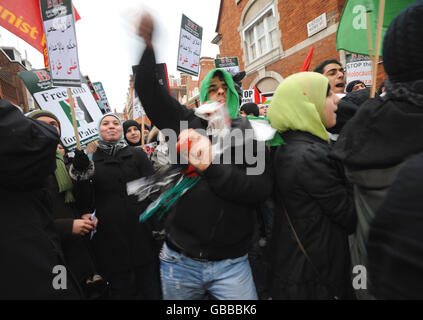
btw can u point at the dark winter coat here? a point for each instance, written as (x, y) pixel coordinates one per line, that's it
(372, 146)
(121, 242)
(75, 247)
(348, 107)
(319, 202)
(396, 237)
(29, 245)
(215, 219)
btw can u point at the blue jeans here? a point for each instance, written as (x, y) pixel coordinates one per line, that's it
(184, 278)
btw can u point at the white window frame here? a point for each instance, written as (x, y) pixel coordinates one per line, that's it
(267, 35)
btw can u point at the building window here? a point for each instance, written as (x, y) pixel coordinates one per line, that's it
(261, 35)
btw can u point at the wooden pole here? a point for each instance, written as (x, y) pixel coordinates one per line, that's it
(369, 40)
(75, 128)
(377, 49)
(142, 131)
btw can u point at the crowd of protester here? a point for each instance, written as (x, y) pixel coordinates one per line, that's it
(342, 188)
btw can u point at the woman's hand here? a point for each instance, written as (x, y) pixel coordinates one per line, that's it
(196, 148)
(91, 147)
(88, 216)
(82, 226)
(80, 161)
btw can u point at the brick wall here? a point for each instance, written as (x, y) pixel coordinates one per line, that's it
(11, 86)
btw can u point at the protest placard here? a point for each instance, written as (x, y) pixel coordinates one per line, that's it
(62, 50)
(230, 65)
(56, 100)
(102, 101)
(189, 47)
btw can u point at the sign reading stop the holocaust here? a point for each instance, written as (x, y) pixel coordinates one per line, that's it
(247, 96)
(359, 67)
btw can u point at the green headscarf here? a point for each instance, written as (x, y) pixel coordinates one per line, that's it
(298, 104)
(232, 98)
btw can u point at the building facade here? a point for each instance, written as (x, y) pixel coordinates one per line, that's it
(272, 38)
(11, 86)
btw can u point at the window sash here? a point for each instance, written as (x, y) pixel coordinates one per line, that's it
(261, 36)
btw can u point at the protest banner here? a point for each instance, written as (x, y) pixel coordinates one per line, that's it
(23, 19)
(56, 100)
(189, 47)
(59, 28)
(230, 65)
(247, 96)
(359, 67)
(103, 102)
(356, 34)
(353, 25)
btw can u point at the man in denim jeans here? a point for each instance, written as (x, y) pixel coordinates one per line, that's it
(209, 229)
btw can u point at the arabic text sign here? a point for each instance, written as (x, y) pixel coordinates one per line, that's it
(228, 64)
(56, 100)
(59, 28)
(189, 47)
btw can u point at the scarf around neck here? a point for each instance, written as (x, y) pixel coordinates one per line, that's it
(112, 147)
(62, 177)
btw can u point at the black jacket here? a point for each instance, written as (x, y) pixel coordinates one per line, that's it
(372, 147)
(121, 242)
(347, 108)
(29, 245)
(319, 202)
(215, 219)
(75, 247)
(396, 237)
(383, 133)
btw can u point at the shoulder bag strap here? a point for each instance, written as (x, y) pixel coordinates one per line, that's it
(301, 246)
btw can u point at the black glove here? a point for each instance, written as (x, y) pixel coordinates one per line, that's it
(80, 161)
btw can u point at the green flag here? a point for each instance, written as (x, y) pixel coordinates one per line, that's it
(352, 29)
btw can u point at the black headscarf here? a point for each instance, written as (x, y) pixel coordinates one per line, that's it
(126, 125)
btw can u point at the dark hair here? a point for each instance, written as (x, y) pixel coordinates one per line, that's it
(323, 64)
(219, 74)
(352, 84)
(249, 108)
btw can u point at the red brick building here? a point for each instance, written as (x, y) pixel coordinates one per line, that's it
(272, 40)
(11, 86)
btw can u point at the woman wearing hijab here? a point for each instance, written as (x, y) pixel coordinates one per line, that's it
(315, 211)
(132, 133)
(125, 249)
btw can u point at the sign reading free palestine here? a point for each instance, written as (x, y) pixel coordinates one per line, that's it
(56, 100)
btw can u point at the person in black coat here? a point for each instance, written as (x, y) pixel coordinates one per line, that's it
(125, 250)
(70, 212)
(373, 145)
(29, 245)
(313, 200)
(395, 243)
